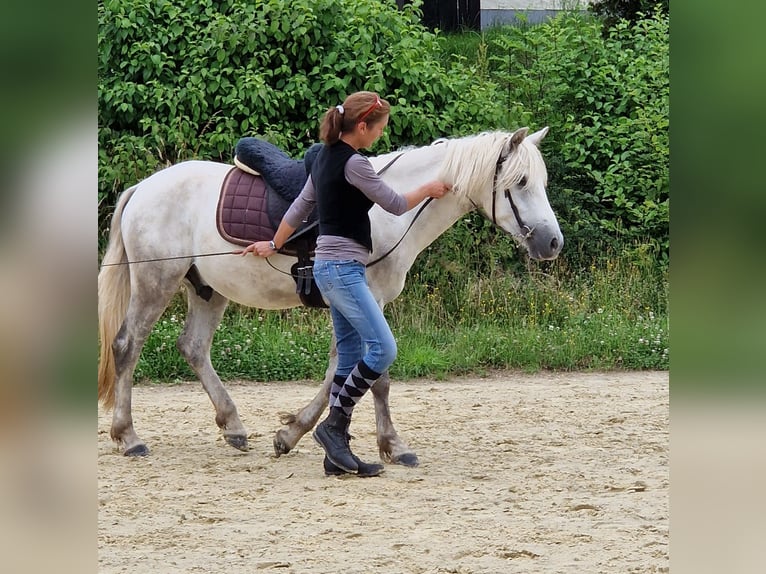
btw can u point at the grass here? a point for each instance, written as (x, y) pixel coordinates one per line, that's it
(611, 315)
(249, 344)
(608, 316)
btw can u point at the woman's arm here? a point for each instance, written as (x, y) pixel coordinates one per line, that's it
(360, 173)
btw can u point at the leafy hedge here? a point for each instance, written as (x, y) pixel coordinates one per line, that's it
(180, 79)
(606, 98)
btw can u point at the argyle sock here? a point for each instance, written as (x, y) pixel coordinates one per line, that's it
(337, 385)
(356, 385)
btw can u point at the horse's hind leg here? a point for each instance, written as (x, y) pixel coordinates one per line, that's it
(147, 302)
(194, 344)
(391, 447)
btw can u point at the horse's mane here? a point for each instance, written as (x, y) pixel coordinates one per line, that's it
(470, 162)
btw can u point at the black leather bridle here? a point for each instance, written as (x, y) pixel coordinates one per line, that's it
(509, 197)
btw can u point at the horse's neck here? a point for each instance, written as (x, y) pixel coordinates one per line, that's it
(418, 229)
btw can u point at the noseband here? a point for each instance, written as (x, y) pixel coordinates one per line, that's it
(509, 197)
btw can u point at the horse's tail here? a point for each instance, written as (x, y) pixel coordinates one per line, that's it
(113, 297)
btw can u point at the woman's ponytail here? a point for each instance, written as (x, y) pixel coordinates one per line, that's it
(332, 124)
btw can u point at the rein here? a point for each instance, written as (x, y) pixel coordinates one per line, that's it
(294, 236)
(315, 223)
(387, 253)
(168, 258)
(507, 194)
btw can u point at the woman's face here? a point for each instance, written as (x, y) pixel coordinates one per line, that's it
(373, 130)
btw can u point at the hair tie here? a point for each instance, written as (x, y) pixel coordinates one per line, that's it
(340, 109)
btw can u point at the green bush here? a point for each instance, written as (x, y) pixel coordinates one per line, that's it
(632, 10)
(178, 81)
(187, 79)
(606, 98)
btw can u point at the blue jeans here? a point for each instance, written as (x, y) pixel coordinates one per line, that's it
(361, 330)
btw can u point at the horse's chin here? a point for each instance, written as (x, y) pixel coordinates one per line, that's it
(544, 258)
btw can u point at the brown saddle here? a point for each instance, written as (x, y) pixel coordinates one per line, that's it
(249, 210)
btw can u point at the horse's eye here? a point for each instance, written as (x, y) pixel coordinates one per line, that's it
(523, 182)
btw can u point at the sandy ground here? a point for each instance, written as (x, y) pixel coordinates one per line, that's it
(532, 473)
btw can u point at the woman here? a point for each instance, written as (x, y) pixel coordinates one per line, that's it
(344, 186)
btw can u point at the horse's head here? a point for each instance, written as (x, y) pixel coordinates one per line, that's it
(517, 201)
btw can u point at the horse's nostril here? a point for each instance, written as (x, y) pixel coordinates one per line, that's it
(555, 243)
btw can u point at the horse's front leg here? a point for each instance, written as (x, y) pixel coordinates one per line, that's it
(297, 425)
(392, 448)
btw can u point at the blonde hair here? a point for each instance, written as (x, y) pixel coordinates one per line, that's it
(358, 107)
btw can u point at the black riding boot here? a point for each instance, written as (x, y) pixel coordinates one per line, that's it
(365, 469)
(331, 434)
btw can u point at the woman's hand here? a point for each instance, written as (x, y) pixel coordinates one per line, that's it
(437, 189)
(259, 249)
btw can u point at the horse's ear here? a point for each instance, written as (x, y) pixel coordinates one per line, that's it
(516, 138)
(538, 136)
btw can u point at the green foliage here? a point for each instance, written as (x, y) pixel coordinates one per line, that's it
(606, 99)
(249, 344)
(180, 80)
(631, 10)
(611, 314)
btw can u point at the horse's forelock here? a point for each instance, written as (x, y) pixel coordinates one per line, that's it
(525, 161)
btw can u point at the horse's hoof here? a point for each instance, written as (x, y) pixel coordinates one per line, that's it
(138, 450)
(238, 441)
(280, 446)
(407, 459)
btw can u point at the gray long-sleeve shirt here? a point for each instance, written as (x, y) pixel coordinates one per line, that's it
(359, 173)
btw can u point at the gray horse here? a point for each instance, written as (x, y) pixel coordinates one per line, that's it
(172, 213)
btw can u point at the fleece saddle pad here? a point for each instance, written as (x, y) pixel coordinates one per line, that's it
(283, 174)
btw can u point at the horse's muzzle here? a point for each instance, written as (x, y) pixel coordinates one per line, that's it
(544, 244)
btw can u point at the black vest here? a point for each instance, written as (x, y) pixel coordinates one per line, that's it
(342, 207)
